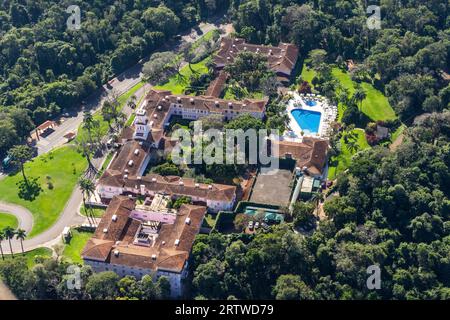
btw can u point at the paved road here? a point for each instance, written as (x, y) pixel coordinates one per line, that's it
(119, 85)
(24, 217)
(69, 215)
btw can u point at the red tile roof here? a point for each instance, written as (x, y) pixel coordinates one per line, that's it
(169, 252)
(310, 153)
(281, 59)
(215, 88)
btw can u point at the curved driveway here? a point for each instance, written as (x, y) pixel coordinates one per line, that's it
(24, 217)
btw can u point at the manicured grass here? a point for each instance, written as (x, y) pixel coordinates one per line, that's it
(178, 83)
(104, 128)
(209, 221)
(342, 161)
(127, 95)
(30, 255)
(64, 166)
(206, 37)
(397, 132)
(307, 74)
(228, 95)
(376, 106)
(72, 250)
(98, 212)
(106, 163)
(8, 220)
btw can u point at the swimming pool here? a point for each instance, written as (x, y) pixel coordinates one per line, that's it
(308, 121)
(310, 103)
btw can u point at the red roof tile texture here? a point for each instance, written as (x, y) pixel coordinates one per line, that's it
(281, 59)
(169, 251)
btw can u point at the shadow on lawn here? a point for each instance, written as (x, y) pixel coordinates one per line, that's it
(29, 191)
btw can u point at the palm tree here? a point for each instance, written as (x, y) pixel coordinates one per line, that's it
(2, 237)
(87, 188)
(317, 197)
(359, 96)
(132, 102)
(21, 235)
(352, 146)
(9, 234)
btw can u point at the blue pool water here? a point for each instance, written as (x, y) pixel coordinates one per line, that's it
(307, 120)
(310, 103)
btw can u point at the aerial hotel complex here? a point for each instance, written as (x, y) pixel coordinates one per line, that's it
(151, 238)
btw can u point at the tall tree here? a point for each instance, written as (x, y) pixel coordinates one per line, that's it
(19, 155)
(2, 237)
(9, 234)
(87, 187)
(21, 235)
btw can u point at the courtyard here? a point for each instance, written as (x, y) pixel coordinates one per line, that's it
(273, 188)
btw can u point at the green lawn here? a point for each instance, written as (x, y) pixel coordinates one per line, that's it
(64, 166)
(206, 37)
(72, 250)
(396, 133)
(106, 163)
(307, 74)
(98, 212)
(228, 95)
(209, 221)
(179, 82)
(82, 133)
(342, 161)
(8, 220)
(376, 106)
(30, 255)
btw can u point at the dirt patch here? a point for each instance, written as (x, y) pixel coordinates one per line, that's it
(394, 145)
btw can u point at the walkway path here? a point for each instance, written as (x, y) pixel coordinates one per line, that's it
(69, 216)
(5, 293)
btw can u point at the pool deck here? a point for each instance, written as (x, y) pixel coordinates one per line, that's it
(298, 102)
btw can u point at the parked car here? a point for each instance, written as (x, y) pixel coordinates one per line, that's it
(250, 225)
(257, 225)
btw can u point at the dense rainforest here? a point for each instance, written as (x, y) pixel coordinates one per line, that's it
(392, 208)
(393, 211)
(46, 68)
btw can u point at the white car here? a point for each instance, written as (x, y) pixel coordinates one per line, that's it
(250, 225)
(257, 225)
